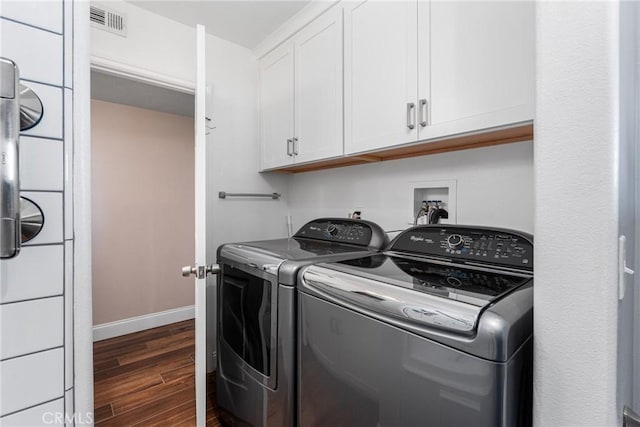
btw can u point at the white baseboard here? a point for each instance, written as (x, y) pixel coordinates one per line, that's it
(140, 323)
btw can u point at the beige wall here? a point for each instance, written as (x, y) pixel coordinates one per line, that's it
(143, 217)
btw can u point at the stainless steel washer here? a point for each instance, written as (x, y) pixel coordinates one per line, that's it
(436, 331)
(257, 314)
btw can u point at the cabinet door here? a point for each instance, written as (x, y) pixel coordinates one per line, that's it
(481, 65)
(276, 106)
(318, 88)
(380, 75)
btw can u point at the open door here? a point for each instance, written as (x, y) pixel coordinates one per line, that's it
(200, 270)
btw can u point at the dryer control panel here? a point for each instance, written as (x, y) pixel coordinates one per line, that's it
(339, 230)
(492, 246)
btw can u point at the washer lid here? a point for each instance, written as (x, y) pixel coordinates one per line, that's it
(441, 295)
(473, 285)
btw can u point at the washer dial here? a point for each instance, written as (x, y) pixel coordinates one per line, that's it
(455, 241)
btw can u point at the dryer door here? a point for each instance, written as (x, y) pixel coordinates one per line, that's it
(247, 324)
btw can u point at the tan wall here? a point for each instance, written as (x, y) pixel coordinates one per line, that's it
(143, 210)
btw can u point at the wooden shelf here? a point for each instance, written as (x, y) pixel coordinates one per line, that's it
(458, 142)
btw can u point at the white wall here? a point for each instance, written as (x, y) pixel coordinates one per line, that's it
(234, 158)
(494, 187)
(153, 43)
(233, 161)
(576, 221)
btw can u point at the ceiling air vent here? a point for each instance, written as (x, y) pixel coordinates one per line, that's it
(108, 20)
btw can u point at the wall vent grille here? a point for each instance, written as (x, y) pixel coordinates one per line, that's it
(108, 20)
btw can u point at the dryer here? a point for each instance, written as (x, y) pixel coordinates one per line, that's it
(257, 314)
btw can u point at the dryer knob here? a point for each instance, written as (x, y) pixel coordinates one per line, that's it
(332, 229)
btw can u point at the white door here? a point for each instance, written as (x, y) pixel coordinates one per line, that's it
(318, 88)
(380, 74)
(200, 270)
(276, 107)
(480, 71)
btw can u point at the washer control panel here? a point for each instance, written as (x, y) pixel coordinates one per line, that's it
(352, 231)
(482, 245)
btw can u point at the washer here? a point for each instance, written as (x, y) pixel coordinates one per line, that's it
(256, 314)
(436, 331)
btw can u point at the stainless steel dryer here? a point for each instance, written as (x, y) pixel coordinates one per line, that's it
(257, 315)
(436, 331)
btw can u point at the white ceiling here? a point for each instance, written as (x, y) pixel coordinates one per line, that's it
(244, 22)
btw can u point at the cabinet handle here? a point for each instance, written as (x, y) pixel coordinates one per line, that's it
(423, 112)
(289, 147)
(410, 107)
(296, 145)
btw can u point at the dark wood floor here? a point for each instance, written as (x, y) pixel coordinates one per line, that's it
(147, 379)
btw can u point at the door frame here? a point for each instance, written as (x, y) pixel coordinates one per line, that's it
(129, 72)
(83, 64)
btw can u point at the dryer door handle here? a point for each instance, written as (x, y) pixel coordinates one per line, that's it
(9, 159)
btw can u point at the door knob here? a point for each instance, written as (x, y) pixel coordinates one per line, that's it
(188, 271)
(200, 271)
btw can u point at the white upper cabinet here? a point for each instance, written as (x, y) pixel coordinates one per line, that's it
(419, 70)
(476, 65)
(301, 95)
(401, 72)
(318, 89)
(380, 74)
(276, 106)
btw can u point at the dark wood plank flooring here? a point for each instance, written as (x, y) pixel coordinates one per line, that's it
(148, 379)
